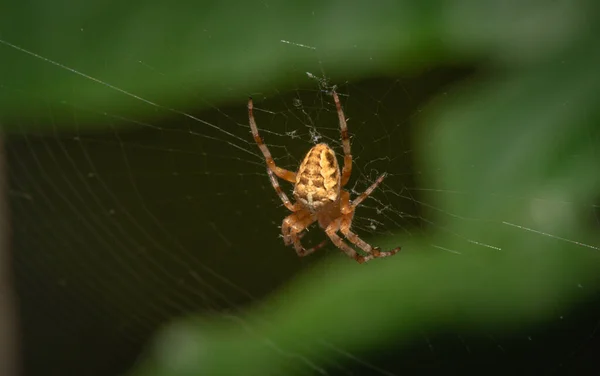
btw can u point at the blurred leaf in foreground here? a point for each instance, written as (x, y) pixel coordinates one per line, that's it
(155, 56)
(530, 133)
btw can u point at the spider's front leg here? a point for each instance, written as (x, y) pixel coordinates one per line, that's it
(347, 209)
(374, 252)
(332, 230)
(314, 248)
(292, 227)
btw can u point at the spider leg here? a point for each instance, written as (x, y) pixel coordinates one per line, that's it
(346, 222)
(290, 222)
(280, 172)
(368, 192)
(292, 227)
(347, 169)
(284, 198)
(316, 247)
(374, 252)
(308, 251)
(331, 231)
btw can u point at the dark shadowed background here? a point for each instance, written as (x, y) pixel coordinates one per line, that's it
(145, 232)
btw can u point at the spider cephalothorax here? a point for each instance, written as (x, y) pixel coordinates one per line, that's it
(319, 194)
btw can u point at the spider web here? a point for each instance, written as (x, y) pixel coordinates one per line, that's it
(118, 231)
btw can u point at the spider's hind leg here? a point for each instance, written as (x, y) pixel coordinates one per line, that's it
(347, 168)
(280, 172)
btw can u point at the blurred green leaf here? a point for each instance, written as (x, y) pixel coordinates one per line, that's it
(513, 145)
(156, 55)
(516, 148)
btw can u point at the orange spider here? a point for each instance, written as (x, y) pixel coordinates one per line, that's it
(320, 195)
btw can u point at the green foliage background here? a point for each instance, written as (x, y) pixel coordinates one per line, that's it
(525, 126)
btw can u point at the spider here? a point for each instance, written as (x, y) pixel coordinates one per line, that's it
(319, 194)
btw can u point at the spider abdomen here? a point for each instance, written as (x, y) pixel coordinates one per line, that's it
(318, 178)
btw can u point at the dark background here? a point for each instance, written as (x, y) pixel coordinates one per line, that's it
(128, 212)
